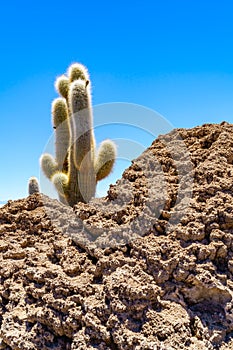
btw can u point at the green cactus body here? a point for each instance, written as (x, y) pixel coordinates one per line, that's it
(33, 186)
(60, 124)
(76, 169)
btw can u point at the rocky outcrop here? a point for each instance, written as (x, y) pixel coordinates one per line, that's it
(148, 267)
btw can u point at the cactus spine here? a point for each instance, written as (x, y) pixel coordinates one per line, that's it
(76, 167)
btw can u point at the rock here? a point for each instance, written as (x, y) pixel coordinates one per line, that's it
(150, 266)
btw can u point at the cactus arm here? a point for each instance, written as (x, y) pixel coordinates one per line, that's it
(48, 165)
(62, 133)
(61, 183)
(105, 159)
(33, 185)
(62, 86)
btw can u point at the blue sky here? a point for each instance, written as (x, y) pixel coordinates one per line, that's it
(172, 56)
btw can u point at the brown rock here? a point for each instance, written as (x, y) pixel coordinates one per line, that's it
(148, 267)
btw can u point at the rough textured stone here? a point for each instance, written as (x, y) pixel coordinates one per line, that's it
(148, 267)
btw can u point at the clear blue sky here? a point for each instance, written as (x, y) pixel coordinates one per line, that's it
(173, 56)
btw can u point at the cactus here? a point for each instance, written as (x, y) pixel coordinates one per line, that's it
(33, 185)
(76, 168)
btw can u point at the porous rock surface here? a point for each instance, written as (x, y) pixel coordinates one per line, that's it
(148, 267)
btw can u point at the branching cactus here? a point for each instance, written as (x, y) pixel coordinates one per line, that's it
(77, 167)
